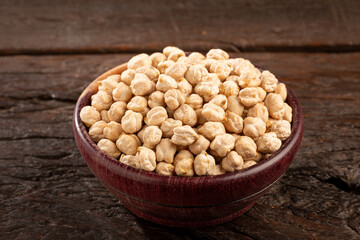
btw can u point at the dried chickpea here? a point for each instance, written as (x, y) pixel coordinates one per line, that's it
(196, 74)
(104, 116)
(185, 87)
(131, 121)
(201, 144)
(249, 164)
(164, 65)
(233, 78)
(108, 85)
(165, 83)
(109, 148)
(251, 78)
(200, 118)
(145, 111)
(141, 85)
(151, 136)
(203, 163)
(216, 170)
(128, 143)
(157, 58)
(151, 72)
(174, 98)
(221, 69)
(275, 105)
(101, 100)
(176, 71)
(186, 115)
(183, 60)
(219, 100)
(184, 135)
(147, 159)
(130, 160)
(137, 104)
(233, 122)
(156, 99)
(96, 131)
(127, 76)
(89, 115)
(112, 131)
(139, 61)
(254, 127)
(281, 89)
(195, 58)
(217, 54)
(165, 151)
(182, 154)
(251, 95)
(167, 127)
(114, 77)
(117, 111)
(223, 144)
(213, 113)
(194, 101)
(281, 128)
(140, 134)
(240, 66)
(246, 148)
(229, 88)
(173, 53)
(122, 92)
(269, 124)
(235, 105)
(268, 143)
(185, 167)
(288, 113)
(232, 162)
(259, 111)
(268, 81)
(165, 169)
(207, 90)
(207, 63)
(214, 79)
(212, 129)
(156, 116)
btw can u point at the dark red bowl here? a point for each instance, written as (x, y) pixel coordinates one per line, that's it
(185, 201)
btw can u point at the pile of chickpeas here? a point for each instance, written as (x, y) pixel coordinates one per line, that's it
(190, 115)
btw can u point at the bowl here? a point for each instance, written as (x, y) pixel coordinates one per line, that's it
(185, 201)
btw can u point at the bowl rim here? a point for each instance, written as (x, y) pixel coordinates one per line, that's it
(287, 146)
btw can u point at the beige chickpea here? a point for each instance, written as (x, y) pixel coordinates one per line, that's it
(214, 79)
(145, 111)
(207, 90)
(156, 99)
(235, 105)
(104, 116)
(213, 113)
(185, 167)
(281, 128)
(141, 85)
(151, 136)
(236, 136)
(217, 54)
(174, 98)
(140, 134)
(117, 111)
(246, 148)
(184, 135)
(233, 122)
(196, 74)
(165, 83)
(275, 105)
(96, 131)
(109, 148)
(173, 53)
(122, 92)
(202, 163)
(183, 154)
(89, 115)
(212, 129)
(250, 78)
(216, 170)
(128, 143)
(147, 159)
(249, 164)
(229, 88)
(183, 60)
(207, 63)
(186, 115)
(259, 111)
(165, 169)
(281, 89)
(176, 71)
(268, 81)
(131, 121)
(127, 76)
(201, 144)
(240, 66)
(194, 101)
(164, 65)
(269, 124)
(185, 87)
(167, 127)
(200, 118)
(114, 77)
(107, 85)
(223, 144)
(165, 151)
(232, 162)
(151, 72)
(195, 58)
(254, 127)
(233, 78)
(288, 113)
(251, 95)
(101, 100)
(156, 116)
(137, 104)
(130, 160)
(219, 100)
(157, 58)
(139, 61)
(221, 69)
(112, 131)
(268, 143)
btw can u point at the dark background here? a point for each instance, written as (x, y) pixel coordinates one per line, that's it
(51, 50)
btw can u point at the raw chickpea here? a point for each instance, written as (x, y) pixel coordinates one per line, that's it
(281, 128)
(235, 105)
(251, 95)
(127, 76)
(195, 58)
(223, 144)
(220, 100)
(207, 63)
(167, 127)
(207, 90)
(251, 78)
(229, 88)
(147, 159)
(128, 143)
(89, 115)
(213, 113)
(240, 66)
(216, 156)
(165, 151)
(164, 65)
(246, 148)
(236, 136)
(165, 169)
(233, 122)
(217, 54)
(140, 134)
(122, 92)
(145, 111)
(182, 154)
(156, 116)
(174, 98)
(157, 58)
(268, 81)
(151, 72)
(275, 105)
(109, 148)
(137, 104)
(101, 100)
(254, 127)
(200, 118)
(107, 85)
(259, 111)
(131, 122)
(269, 124)
(232, 162)
(185, 87)
(233, 78)
(96, 131)
(184, 135)
(288, 113)
(130, 160)
(141, 85)
(186, 115)
(268, 143)
(212, 129)
(216, 170)
(248, 164)
(176, 71)
(139, 61)
(214, 79)
(104, 116)
(173, 53)
(183, 60)
(196, 74)
(203, 163)
(114, 77)
(117, 111)
(156, 99)
(165, 83)
(281, 89)
(221, 69)
(151, 136)
(112, 131)
(201, 144)
(194, 101)
(185, 167)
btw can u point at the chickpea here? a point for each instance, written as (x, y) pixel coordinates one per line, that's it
(235, 105)
(183, 60)
(196, 74)
(201, 144)
(251, 95)
(254, 127)
(141, 85)
(167, 127)
(128, 143)
(165, 83)
(157, 58)
(240, 66)
(109, 148)
(200, 118)
(156, 116)
(184, 135)
(131, 122)
(203, 163)
(207, 63)
(223, 144)
(195, 58)
(221, 69)
(151, 72)
(89, 115)
(145, 111)
(112, 131)
(212, 129)
(140, 134)
(138, 61)
(233, 122)
(217, 54)
(281, 128)
(233, 78)
(214, 79)
(220, 100)
(107, 85)
(173, 53)
(275, 105)
(182, 154)
(236, 136)
(232, 162)
(246, 148)
(104, 116)
(96, 131)
(268, 143)
(176, 71)
(185, 167)
(156, 99)
(216, 170)
(117, 111)
(249, 164)
(185, 87)
(268, 81)
(174, 98)
(147, 159)
(165, 151)
(151, 136)
(213, 113)
(251, 78)
(127, 76)
(114, 77)
(122, 92)
(164, 65)
(269, 124)
(281, 89)
(194, 101)
(288, 113)
(229, 88)
(186, 115)
(165, 169)
(137, 104)
(259, 111)
(101, 100)
(207, 90)
(130, 160)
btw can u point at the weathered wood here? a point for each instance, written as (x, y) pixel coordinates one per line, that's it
(123, 26)
(47, 191)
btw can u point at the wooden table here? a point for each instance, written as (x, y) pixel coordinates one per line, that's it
(49, 52)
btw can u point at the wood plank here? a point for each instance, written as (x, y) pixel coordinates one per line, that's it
(38, 27)
(47, 191)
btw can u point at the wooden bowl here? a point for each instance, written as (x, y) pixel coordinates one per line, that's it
(185, 201)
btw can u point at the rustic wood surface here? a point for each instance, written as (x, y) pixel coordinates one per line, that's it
(46, 189)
